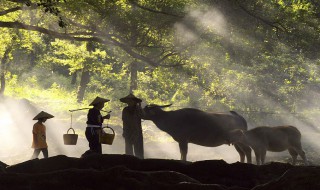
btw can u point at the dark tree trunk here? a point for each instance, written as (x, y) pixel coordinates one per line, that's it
(33, 51)
(134, 76)
(3, 70)
(32, 58)
(85, 78)
(3, 84)
(74, 78)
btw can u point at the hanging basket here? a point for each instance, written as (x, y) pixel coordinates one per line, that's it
(70, 139)
(106, 138)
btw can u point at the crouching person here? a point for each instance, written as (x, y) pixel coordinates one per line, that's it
(274, 139)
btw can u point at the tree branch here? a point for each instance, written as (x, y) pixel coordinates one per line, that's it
(19, 1)
(100, 38)
(269, 23)
(171, 66)
(155, 11)
(10, 10)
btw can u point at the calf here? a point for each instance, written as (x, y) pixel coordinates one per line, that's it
(274, 139)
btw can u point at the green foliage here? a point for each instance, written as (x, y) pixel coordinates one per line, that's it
(249, 56)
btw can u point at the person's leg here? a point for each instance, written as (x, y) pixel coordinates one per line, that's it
(138, 147)
(96, 145)
(89, 135)
(36, 153)
(45, 152)
(128, 147)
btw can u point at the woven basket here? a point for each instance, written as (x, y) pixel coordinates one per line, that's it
(70, 139)
(106, 138)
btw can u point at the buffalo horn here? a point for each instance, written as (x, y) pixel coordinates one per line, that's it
(163, 106)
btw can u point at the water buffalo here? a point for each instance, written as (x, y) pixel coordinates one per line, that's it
(274, 139)
(190, 125)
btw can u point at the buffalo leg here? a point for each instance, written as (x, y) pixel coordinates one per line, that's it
(302, 154)
(183, 150)
(294, 155)
(244, 151)
(241, 153)
(258, 156)
(263, 153)
(247, 151)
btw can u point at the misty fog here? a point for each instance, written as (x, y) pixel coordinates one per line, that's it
(16, 137)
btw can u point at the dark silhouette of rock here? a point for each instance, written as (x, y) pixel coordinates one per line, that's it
(123, 172)
(3, 165)
(298, 178)
(88, 153)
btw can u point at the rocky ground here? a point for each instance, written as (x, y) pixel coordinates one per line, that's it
(121, 172)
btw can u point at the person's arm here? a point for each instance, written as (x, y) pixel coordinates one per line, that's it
(124, 122)
(94, 117)
(106, 116)
(139, 110)
(126, 112)
(34, 134)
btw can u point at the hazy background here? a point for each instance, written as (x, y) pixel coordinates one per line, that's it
(16, 138)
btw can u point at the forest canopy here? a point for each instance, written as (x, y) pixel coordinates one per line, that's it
(258, 57)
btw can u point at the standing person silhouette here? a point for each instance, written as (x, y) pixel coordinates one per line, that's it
(94, 124)
(39, 142)
(132, 130)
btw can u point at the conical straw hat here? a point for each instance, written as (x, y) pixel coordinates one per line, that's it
(43, 114)
(98, 100)
(130, 97)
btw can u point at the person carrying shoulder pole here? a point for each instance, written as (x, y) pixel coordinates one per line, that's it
(39, 142)
(94, 124)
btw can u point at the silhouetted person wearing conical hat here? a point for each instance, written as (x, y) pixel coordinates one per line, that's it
(94, 124)
(132, 130)
(39, 142)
